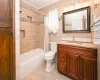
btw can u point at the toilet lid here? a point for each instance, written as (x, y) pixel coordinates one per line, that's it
(50, 53)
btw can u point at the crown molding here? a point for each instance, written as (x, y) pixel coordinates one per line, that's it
(30, 7)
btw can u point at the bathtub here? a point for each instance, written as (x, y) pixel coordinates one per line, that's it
(29, 61)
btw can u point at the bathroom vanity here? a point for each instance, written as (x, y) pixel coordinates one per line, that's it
(77, 60)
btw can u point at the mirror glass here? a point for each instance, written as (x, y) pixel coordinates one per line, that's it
(77, 20)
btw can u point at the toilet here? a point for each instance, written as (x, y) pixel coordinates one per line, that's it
(49, 57)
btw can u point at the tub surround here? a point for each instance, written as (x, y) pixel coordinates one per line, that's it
(32, 28)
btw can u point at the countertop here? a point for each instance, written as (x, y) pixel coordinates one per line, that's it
(80, 44)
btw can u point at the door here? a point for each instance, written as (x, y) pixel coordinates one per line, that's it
(4, 54)
(5, 13)
(73, 64)
(88, 68)
(7, 56)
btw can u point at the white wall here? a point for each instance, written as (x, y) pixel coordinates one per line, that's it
(17, 37)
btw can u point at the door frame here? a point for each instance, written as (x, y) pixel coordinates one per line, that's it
(12, 48)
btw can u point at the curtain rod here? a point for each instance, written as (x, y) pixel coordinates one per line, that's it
(95, 23)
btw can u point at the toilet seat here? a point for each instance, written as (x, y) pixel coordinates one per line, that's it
(49, 54)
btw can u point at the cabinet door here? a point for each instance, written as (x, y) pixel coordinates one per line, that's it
(5, 13)
(61, 60)
(73, 65)
(4, 54)
(88, 68)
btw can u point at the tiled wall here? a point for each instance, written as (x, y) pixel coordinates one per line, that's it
(97, 25)
(97, 32)
(60, 6)
(40, 32)
(32, 29)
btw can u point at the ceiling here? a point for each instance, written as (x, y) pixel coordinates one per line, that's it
(40, 3)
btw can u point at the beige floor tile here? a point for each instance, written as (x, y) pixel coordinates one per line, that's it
(41, 74)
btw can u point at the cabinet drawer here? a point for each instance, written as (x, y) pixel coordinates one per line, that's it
(63, 47)
(83, 49)
(89, 55)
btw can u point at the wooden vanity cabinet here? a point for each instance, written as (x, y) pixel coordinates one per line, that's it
(78, 63)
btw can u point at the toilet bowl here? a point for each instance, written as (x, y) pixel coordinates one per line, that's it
(49, 57)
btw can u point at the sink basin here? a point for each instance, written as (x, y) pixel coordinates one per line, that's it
(74, 43)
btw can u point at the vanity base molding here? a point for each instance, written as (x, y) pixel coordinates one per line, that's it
(78, 63)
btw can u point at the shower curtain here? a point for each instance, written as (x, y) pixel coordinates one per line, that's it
(46, 37)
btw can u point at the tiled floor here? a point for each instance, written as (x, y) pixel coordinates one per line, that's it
(41, 74)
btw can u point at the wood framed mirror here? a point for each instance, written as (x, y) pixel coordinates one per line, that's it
(77, 20)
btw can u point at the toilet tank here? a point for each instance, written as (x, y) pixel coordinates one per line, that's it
(53, 46)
